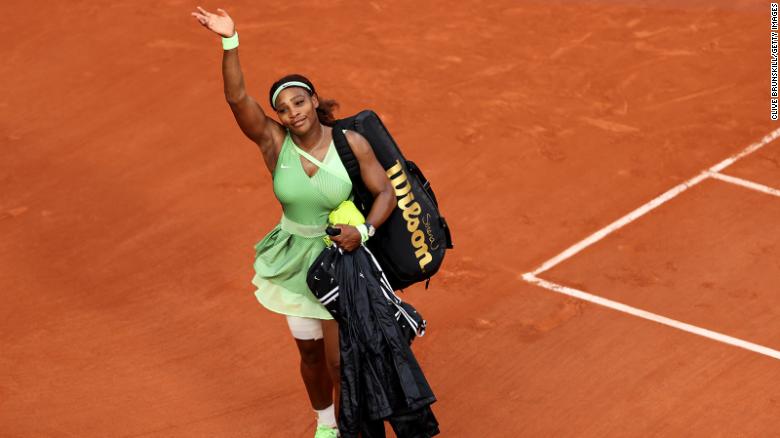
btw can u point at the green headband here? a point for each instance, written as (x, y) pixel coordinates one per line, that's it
(288, 85)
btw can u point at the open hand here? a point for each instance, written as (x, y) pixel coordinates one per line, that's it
(219, 23)
(349, 239)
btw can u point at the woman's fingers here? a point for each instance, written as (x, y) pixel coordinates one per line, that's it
(222, 12)
(203, 21)
(201, 18)
(349, 239)
(204, 12)
(338, 239)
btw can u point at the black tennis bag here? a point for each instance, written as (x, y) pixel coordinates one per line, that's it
(411, 244)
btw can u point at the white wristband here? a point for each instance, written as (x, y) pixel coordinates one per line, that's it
(363, 230)
(230, 43)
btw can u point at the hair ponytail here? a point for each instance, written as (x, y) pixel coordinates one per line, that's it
(325, 111)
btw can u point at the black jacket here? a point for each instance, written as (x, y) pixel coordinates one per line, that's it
(380, 377)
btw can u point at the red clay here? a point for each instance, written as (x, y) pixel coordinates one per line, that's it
(131, 202)
(763, 167)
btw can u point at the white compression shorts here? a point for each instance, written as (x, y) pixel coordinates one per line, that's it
(305, 329)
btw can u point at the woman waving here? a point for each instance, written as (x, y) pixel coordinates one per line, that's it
(309, 182)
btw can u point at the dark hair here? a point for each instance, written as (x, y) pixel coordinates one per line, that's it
(326, 108)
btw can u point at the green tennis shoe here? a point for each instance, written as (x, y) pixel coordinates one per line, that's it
(326, 432)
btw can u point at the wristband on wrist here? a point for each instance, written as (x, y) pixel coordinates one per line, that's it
(363, 230)
(230, 43)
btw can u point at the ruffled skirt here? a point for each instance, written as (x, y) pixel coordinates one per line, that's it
(282, 260)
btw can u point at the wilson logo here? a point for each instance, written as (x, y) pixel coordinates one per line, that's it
(411, 212)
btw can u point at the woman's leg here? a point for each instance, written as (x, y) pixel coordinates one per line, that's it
(315, 374)
(330, 329)
(314, 370)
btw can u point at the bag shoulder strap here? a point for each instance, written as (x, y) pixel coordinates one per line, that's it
(348, 158)
(362, 196)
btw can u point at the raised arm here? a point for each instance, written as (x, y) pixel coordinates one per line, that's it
(262, 130)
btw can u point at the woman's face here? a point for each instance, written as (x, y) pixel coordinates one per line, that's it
(297, 110)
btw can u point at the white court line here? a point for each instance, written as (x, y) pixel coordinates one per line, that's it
(713, 172)
(745, 183)
(620, 307)
(639, 212)
(620, 223)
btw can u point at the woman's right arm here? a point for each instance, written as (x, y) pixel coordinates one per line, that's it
(265, 132)
(250, 117)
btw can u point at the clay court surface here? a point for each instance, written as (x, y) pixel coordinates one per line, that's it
(130, 203)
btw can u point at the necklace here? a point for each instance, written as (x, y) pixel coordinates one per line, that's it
(319, 141)
(310, 153)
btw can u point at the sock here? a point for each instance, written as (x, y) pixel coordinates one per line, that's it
(326, 417)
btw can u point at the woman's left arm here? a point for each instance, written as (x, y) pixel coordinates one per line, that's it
(378, 184)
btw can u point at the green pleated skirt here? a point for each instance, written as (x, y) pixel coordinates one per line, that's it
(282, 261)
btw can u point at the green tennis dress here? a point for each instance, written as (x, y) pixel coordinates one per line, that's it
(283, 256)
